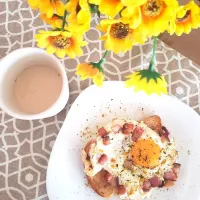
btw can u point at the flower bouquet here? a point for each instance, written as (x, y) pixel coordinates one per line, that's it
(124, 23)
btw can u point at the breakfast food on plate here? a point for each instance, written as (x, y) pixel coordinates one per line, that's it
(131, 158)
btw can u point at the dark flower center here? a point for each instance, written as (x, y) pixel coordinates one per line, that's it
(60, 41)
(187, 14)
(119, 30)
(153, 8)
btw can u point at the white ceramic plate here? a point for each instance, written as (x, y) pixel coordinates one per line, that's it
(97, 106)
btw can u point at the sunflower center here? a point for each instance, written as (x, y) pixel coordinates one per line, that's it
(119, 30)
(184, 18)
(153, 8)
(60, 41)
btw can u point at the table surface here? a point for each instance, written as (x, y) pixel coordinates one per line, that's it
(25, 146)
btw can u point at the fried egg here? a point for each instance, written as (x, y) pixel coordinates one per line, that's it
(150, 157)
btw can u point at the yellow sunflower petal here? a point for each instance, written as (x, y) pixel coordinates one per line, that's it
(50, 12)
(34, 3)
(71, 53)
(50, 49)
(61, 53)
(131, 3)
(98, 79)
(95, 2)
(110, 7)
(66, 34)
(59, 6)
(43, 43)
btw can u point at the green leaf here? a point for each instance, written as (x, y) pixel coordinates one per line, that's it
(93, 8)
(148, 75)
(98, 66)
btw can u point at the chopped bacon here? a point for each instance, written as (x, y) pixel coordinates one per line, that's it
(155, 181)
(102, 132)
(103, 159)
(165, 131)
(170, 176)
(127, 128)
(176, 168)
(116, 128)
(137, 133)
(165, 135)
(121, 189)
(146, 186)
(106, 140)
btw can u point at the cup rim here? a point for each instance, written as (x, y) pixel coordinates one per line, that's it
(63, 94)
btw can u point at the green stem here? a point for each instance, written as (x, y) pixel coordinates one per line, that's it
(105, 54)
(152, 63)
(103, 58)
(64, 18)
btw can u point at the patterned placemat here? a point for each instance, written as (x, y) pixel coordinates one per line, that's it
(25, 146)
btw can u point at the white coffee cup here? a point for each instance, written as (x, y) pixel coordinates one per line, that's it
(13, 65)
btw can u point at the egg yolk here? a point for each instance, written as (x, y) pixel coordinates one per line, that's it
(146, 153)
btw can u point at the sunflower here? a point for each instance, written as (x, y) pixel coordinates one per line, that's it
(148, 81)
(61, 43)
(55, 21)
(186, 19)
(80, 16)
(119, 36)
(156, 15)
(108, 7)
(86, 71)
(48, 6)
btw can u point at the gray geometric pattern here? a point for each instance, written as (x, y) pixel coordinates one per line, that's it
(25, 146)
